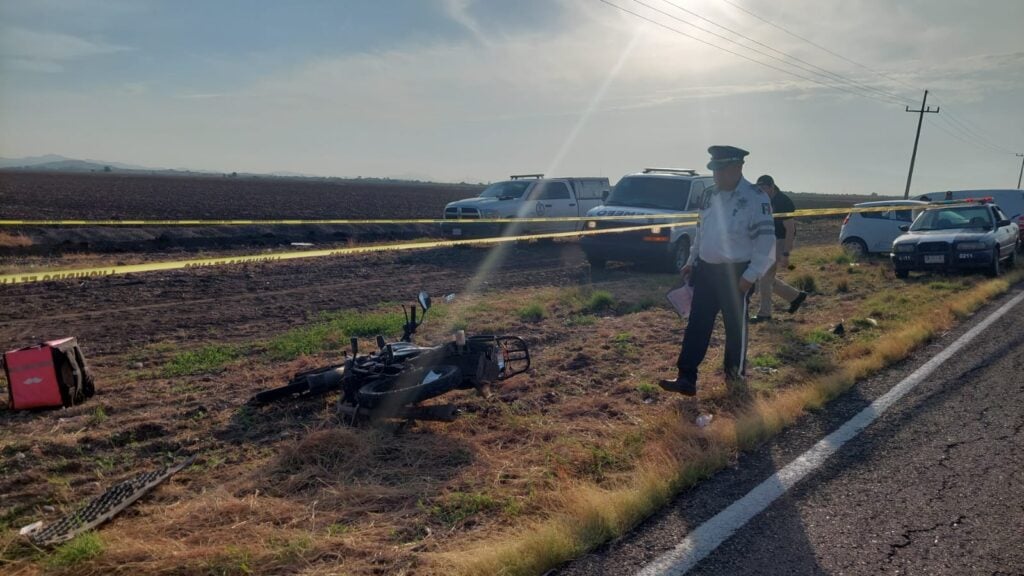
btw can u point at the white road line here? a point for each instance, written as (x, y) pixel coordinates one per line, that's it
(709, 535)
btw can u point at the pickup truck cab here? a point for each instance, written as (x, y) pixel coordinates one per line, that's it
(653, 191)
(525, 196)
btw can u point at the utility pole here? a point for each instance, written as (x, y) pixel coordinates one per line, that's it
(921, 113)
(1021, 156)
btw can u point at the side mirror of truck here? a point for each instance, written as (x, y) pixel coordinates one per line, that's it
(1002, 223)
(904, 227)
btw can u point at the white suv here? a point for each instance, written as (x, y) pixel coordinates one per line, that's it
(653, 192)
(873, 232)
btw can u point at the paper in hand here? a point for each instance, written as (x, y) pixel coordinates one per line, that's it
(681, 298)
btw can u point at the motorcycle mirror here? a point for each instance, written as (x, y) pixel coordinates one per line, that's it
(424, 299)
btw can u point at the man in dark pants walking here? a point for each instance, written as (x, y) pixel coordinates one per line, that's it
(733, 248)
(785, 234)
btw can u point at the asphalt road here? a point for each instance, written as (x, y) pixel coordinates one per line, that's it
(934, 486)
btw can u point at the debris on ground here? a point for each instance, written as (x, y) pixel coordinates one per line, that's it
(100, 509)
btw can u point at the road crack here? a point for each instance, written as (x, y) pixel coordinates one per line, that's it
(908, 536)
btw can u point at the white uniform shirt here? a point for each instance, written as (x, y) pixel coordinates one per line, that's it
(736, 226)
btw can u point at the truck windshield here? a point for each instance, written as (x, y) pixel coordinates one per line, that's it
(510, 189)
(952, 218)
(665, 193)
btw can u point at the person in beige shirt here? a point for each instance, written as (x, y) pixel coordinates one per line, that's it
(785, 235)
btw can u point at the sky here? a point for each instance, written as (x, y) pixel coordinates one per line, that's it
(475, 90)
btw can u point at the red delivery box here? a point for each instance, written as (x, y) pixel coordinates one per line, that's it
(48, 375)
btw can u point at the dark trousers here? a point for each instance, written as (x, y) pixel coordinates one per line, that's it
(716, 288)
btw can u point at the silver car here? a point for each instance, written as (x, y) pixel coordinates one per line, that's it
(957, 237)
(873, 232)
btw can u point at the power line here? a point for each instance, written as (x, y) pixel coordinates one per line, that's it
(733, 52)
(974, 137)
(755, 50)
(962, 138)
(978, 135)
(969, 138)
(819, 46)
(826, 71)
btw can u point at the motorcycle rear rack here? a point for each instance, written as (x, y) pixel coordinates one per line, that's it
(516, 356)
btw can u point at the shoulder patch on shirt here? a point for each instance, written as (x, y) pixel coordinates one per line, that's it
(766, 208)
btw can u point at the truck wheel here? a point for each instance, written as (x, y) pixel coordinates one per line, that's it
(680, 255)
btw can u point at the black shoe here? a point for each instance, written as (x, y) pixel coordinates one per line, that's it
(682, 385)
(759, 319)
(795, 304)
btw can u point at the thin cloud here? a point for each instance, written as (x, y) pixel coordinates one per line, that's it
(458, 11)
(38, 51)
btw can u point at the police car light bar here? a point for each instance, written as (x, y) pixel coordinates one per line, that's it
(521, 176)
(984, 200)
(671, 171)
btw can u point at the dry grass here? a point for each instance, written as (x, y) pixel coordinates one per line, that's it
(677, 458)
(8, 240)
(555, 463)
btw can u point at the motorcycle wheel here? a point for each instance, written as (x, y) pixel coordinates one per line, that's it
(410, 387)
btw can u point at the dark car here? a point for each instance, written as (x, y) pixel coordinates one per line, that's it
(957, 237)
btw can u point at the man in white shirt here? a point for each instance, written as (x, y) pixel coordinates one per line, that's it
(733, 248)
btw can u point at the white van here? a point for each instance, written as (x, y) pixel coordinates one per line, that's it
(873, 232)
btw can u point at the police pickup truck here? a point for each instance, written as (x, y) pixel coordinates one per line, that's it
(651, 192)
(525, 196)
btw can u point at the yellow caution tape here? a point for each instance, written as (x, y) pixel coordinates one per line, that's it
(347, 222)
(51, 275)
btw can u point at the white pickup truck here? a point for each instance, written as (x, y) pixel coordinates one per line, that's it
(525, 196)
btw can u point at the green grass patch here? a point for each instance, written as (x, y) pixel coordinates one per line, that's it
(806, 282)
(581, 320)
(819, 337)
(455, 508)
(79, 549)
(648, 389)
(599, 301)
(332, 330)
(99, 416)
(531, 313)
(645, 303)
(623, 343)
(205, 360)
(766, 361)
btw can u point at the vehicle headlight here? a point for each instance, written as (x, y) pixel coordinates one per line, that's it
(591, 224)
(971, 246)
(905, 247)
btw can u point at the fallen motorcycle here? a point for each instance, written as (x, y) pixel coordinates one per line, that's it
(392, 381)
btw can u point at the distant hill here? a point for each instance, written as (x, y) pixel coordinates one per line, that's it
(57, 163)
